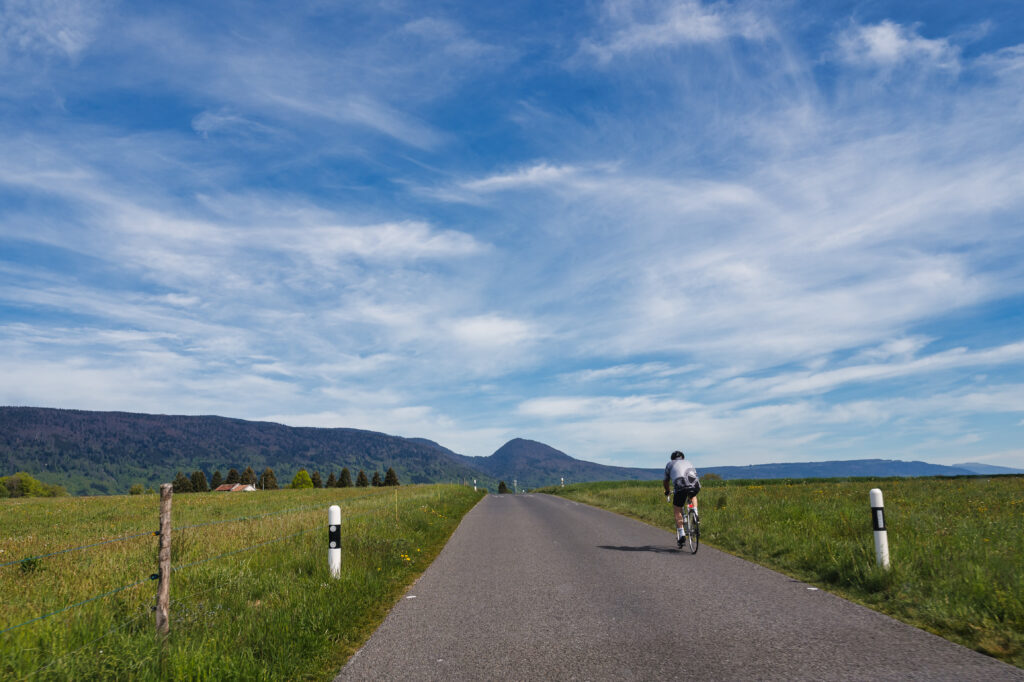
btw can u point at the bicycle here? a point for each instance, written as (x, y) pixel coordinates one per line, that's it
(691, 526)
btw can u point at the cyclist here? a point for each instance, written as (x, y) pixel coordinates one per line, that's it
(683, 477)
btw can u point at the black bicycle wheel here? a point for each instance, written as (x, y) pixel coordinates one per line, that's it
(693, 536)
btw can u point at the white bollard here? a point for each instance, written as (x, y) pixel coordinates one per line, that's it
(334, 540)
(878, 524)
(474, 485)
(563, 481)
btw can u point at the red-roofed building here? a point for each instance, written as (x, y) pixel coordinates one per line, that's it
(235, 488)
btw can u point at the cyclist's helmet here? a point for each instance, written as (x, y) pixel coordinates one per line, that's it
(678, 455)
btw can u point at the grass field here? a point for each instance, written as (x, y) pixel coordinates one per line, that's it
(251, 597)
(957, 545)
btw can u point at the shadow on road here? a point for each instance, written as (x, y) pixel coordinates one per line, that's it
(645, 548)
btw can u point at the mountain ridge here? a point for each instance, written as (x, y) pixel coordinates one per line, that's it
(92, 452)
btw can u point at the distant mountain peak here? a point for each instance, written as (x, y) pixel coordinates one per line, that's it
(523, 450)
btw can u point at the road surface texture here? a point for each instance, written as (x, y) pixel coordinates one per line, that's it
(535, 587)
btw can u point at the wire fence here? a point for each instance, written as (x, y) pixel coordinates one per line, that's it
(75, 549)
(153, 577)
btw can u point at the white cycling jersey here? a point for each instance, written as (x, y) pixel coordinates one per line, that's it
(682, 474)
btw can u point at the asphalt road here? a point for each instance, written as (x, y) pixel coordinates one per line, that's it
(537, 587)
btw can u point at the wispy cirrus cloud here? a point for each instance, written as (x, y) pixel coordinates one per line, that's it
(752, 231)
(888, 45)
(61, 27)
(641, 27)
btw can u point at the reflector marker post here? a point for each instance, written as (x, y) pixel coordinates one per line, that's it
(878, 526)
(334, 540)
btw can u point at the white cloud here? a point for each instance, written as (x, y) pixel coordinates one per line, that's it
(491, 332)
(453, 39)
(224, 121)
(387, 241)
(888, 45)
(539, 175)
(65, 27)
(1007, 62)
(674, 23)
(365, 412)
(809, 383)
(714, 236)
(602, 406)
(649, 370)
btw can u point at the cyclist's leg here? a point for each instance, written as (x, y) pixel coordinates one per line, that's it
(679, 508)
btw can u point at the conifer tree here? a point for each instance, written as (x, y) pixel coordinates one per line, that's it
(345, 481)
(233, 477)
(302, 480)
(317, 481)
(502, 488)
(199, 484)
(376, 480)
(391, 478)
(361, 480)
(248, 476)
(181, 484)
(217, 480)
(268, 481)
(332, 482)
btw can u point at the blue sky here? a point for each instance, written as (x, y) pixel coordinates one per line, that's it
(755, 231)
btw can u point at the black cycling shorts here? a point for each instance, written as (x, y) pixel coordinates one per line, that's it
(681, 497)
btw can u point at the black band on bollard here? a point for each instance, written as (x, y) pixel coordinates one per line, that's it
(878, 518)
(334, 537)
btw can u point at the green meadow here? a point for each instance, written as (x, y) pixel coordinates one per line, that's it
(251, 595)
(956, 544)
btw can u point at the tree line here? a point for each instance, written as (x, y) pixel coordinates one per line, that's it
(23, 484)
(197, 482)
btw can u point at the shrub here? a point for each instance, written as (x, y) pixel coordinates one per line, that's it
(23, 484)
(302, 480)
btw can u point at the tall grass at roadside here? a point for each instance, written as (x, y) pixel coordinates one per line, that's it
(251, 599)
(957, 544)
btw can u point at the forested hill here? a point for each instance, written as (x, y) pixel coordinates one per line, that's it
(97, 453)
(839, 469)
(535, 464)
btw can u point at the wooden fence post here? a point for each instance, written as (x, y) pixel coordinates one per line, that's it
(163, 592)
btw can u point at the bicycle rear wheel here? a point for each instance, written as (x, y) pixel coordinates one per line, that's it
(693, 531)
